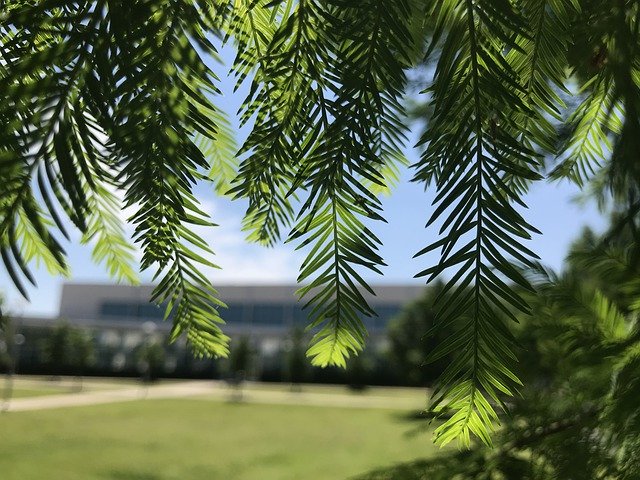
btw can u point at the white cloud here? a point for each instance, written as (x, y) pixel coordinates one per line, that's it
(240, 262)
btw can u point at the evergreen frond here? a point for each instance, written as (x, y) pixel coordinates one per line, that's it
(106, 233)
(221, 153)
(99, 88)
(107, 98)
(161, 163)
(590, 124)
(540, 64)
(287, 58)
(472, 143)
(360, 134)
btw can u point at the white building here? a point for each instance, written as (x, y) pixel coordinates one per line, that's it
(121, 318)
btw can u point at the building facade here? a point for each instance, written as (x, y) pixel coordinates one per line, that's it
(121, 319)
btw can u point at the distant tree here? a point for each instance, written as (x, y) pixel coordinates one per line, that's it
(150, 357)
(57, 347)
(5, 327)
(359, 371)
(239, 365)
(413, 338)
(296, 369)
(8, 353)
(68, 350)
(82, 353)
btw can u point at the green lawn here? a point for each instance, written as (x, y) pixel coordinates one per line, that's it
(395, 392)
(37, 386)
(200, 439)
(36, 392)
(26, 387)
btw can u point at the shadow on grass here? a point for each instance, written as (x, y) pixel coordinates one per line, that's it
(416, 470)
(413, 416)
(466, 464)
(131, 475)
(420, 422)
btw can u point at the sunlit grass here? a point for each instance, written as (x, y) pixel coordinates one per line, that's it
(201, 439)
(419, 394)
(35, 392)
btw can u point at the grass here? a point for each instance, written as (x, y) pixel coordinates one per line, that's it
(36, 392)
(201, 439)
(395, 392)
(24, 387)
(36, 386)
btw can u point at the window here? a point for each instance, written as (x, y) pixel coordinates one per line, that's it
(235, 314)
(268, 314)
(385, 314)
(150, 311)
(131, 311)
(300, 316)
(117, 309)
(370, 322)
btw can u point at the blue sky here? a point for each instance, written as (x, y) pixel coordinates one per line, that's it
(551, 210)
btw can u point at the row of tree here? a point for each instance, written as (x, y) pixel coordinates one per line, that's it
(71, 350)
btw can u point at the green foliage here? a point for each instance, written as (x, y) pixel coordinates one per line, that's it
(241, 358)
(577, 414)
(359, 372)
(472, 144)
(296, 362)
(107, 104)
(412, 337)
(150, 356)
(105, 98)
(68, 348)
(7, 344)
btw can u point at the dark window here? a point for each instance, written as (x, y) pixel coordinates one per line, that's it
(300, 316)
(117, 309)
(235, 314)
(150, 311)
(132, 311)
(370, 322)
(385, 314)
(268, 314)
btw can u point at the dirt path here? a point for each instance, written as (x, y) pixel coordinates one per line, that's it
(219, 391)
(177, 390)
(320, 399)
